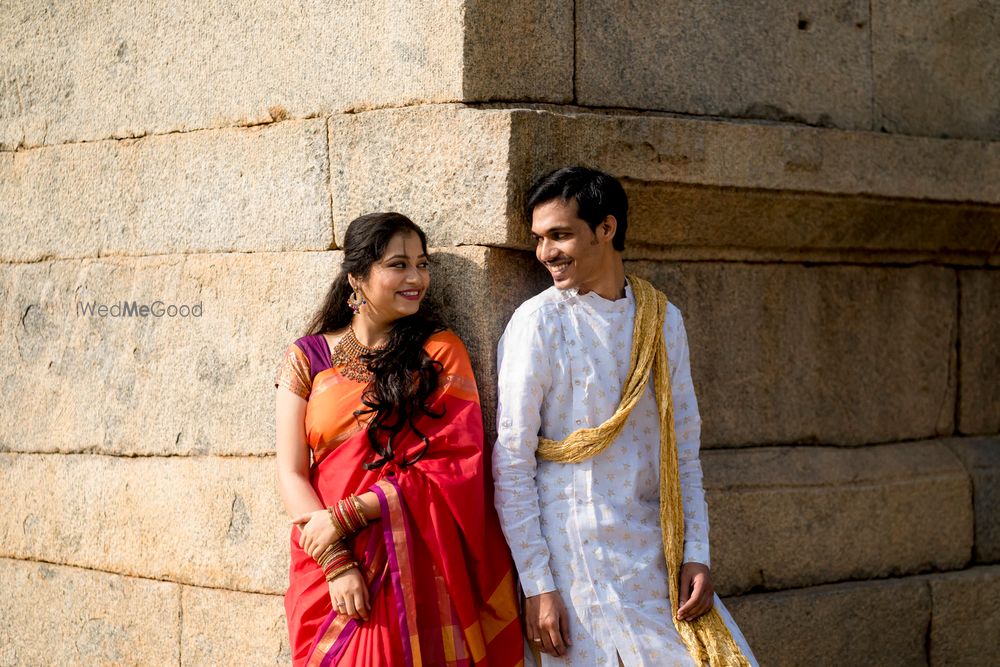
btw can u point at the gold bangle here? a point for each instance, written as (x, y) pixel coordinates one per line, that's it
(340, 570)
(339, 527)
(361, 510)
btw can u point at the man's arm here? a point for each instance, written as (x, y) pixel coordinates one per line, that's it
(523, 378)
(696, 589)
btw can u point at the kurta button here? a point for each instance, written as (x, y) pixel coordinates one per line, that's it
(579, 421)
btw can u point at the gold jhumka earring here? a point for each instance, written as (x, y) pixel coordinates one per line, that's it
(356, 300)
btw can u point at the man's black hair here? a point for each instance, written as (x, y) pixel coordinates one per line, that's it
(597, 196)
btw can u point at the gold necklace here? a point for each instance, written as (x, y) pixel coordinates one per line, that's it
(348, 354)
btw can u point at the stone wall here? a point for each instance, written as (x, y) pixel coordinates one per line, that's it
(816, 185)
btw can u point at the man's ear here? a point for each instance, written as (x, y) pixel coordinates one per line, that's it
(607, 228)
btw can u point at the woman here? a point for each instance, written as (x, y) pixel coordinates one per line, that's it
(397, 555)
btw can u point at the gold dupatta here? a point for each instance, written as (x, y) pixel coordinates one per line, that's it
(707, 638)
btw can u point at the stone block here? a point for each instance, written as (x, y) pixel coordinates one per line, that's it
(151, 385)
(690, 222)
(965, 626)
(655, 148)
(937, 67)
(518, 50)
(226, 628)
(482, 288)
(979, 352)
(225, 190)
(76, 71)
(981, 458)
(444, 167)
(178, 385)
(809, 62)
(204, 521)
(816, 354)
(860, 623)
(55, 615)
(787, 517)
(489, 157)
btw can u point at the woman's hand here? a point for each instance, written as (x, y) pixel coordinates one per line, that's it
(316, 532)
(349, 595)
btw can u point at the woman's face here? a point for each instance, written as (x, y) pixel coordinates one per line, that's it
(397, 281)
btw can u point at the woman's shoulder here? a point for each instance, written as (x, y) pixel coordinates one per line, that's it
(446, 345)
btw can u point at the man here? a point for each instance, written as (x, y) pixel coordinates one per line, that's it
(584, 526)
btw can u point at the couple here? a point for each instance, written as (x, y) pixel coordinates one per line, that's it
(397, 553)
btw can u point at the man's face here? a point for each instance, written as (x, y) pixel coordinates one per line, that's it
(565, 244)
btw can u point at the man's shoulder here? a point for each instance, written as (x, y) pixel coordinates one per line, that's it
(537, 306)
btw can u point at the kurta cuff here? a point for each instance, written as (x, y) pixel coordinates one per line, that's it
(696, 552)
(536, 583)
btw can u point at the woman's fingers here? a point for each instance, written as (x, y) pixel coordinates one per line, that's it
(360, 606)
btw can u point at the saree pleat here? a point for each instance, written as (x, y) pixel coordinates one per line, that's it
(439, 573)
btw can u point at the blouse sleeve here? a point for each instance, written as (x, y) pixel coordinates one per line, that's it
(293, 374)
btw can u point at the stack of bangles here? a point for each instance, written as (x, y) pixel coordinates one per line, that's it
(348, 518)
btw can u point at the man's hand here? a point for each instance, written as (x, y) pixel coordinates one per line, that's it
(696, 591)
(547, 623)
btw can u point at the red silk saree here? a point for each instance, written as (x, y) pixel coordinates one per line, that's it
(440, 576)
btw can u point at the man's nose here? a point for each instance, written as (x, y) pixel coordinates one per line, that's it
(546, 250)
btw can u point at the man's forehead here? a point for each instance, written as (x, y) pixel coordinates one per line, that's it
(555, 214)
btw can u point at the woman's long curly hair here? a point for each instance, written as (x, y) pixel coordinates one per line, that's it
(403, 376)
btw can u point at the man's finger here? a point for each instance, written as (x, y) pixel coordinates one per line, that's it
(555, 641)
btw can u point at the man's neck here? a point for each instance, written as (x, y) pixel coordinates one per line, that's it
(609, 283)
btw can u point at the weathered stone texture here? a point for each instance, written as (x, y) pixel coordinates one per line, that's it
(204, 521)
(82, 70)
(808, 62)
(226, 190)
(226, 628)
(965, 627)
(482, 288)
(979, 350)
(981, 457)
(518, 50)
(871, 623)
(56, 615)
(831, 355)
(656, 148)
(692, 222)
(787, 517)
(151, 385)
(488, 158)
(937, 67)
(445, 167)
(253, 307)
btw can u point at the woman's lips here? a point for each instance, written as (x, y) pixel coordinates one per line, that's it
(411, 295)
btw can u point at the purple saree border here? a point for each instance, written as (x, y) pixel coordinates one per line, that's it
(397, 582)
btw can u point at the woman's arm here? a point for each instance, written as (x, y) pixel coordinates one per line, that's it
(297, 494)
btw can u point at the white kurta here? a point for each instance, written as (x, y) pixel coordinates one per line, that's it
(591, 530)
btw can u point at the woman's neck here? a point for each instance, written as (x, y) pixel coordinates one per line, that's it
(369, 332)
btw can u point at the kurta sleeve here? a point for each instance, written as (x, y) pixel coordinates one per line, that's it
(293, 373)
(523, 379)
(687, 422)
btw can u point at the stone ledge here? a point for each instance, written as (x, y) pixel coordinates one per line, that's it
(797, 188)
(787, 517)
